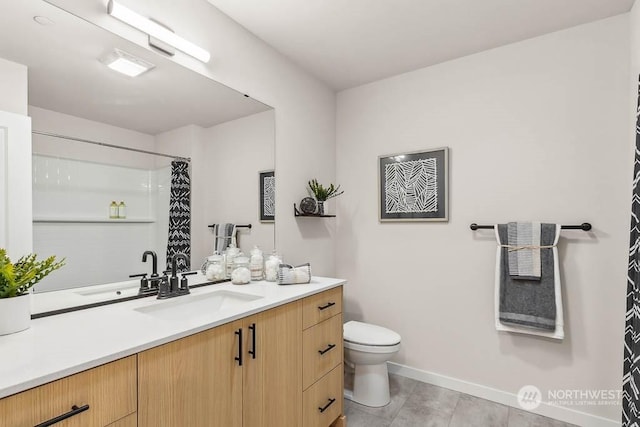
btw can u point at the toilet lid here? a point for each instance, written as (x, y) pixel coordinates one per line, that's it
(367, 334)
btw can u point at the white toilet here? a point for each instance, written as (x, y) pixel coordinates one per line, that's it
(368, 348)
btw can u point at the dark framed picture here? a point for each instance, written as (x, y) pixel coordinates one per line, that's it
(414, 186)
(267, 196)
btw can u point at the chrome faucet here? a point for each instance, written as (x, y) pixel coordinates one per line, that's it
(174, 287)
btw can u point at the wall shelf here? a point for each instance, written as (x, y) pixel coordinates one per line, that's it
(93, 220)
(297, 213)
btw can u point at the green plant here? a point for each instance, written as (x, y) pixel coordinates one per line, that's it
(321, 193)
(16, 279)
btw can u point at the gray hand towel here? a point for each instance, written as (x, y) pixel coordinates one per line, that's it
(527, 302)
(223, 235)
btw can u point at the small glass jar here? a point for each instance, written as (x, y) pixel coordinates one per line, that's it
(214, 267)
(241, 274)
(271, 267)
(256, 264)
(231, 254)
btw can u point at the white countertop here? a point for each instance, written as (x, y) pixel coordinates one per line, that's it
(64, 344)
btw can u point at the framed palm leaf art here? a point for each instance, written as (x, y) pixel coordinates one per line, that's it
(267, 196)
(414, 186)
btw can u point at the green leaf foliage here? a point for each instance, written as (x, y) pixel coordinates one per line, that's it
(16, 279)
(322, 193)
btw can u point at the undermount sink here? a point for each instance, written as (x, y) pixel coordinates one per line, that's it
(187, 306)
(120, 290)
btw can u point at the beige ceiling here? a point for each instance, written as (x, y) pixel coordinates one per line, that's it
(347, 43)
(65, 75)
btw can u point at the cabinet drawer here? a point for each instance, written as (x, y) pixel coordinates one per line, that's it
(323, 401)
(109, 391)
(322, 349)
(322, 306)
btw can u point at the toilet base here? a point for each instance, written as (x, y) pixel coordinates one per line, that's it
(370, 386)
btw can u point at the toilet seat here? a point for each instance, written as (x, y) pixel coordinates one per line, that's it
(368, 335)
(374, 349)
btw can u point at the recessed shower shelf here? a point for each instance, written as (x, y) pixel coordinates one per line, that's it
(297, 213)
(93, 220)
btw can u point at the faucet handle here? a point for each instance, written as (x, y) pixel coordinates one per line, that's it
(144, 282)
(184, 282)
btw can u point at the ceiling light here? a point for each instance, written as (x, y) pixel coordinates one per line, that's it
(153, 29)
(126, 63)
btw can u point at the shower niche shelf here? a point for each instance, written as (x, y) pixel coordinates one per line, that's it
(94, 220)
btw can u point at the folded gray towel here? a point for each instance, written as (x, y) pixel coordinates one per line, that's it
(527, 302)
(524, 254)
(223, 235)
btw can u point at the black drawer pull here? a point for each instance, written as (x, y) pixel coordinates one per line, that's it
(252, 352)
(325, 407)
(330, 347)
(327, 305)
(75, 410)
(239, 358)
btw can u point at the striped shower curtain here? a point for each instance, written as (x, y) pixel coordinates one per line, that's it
(631, 379)
(179, 241)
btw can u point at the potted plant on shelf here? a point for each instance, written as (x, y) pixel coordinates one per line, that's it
(15, 282)
(322, 194)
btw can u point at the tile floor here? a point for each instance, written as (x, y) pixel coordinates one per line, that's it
(416, 404)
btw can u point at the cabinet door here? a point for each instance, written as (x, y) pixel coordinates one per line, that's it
(281, 352)
(252, 372)
(194, 381)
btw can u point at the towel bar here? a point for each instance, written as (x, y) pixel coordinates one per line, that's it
(237, 226)
(585, 226)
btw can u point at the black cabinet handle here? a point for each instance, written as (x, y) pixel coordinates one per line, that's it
(327, 305)
(325, 407)
(329, 347)
(239, 358)
(75, 410)
(252, 352)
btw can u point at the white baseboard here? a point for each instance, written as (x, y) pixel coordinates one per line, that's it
(567, 415)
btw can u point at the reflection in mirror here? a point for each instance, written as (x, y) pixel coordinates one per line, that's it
(228, 137)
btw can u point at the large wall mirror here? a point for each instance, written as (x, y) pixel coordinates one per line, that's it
(76, 100)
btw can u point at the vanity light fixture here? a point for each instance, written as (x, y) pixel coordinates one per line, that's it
(155, 30)
(126, 63)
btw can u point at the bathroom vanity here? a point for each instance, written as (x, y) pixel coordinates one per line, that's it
(225, 355)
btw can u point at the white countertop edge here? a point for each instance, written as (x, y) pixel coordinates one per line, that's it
(8, 389)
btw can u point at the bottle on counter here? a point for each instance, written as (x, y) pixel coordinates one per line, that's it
(122, 210)
(256, 264)
(271, 267)
(113, 210)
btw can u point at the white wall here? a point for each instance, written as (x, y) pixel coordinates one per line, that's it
(237, 151)
(13, 87)
(304, 108)
(77, 127)
(537, 130)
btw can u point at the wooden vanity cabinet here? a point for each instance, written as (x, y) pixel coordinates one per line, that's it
(109, 391)
(280, 367)
(245, 373)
